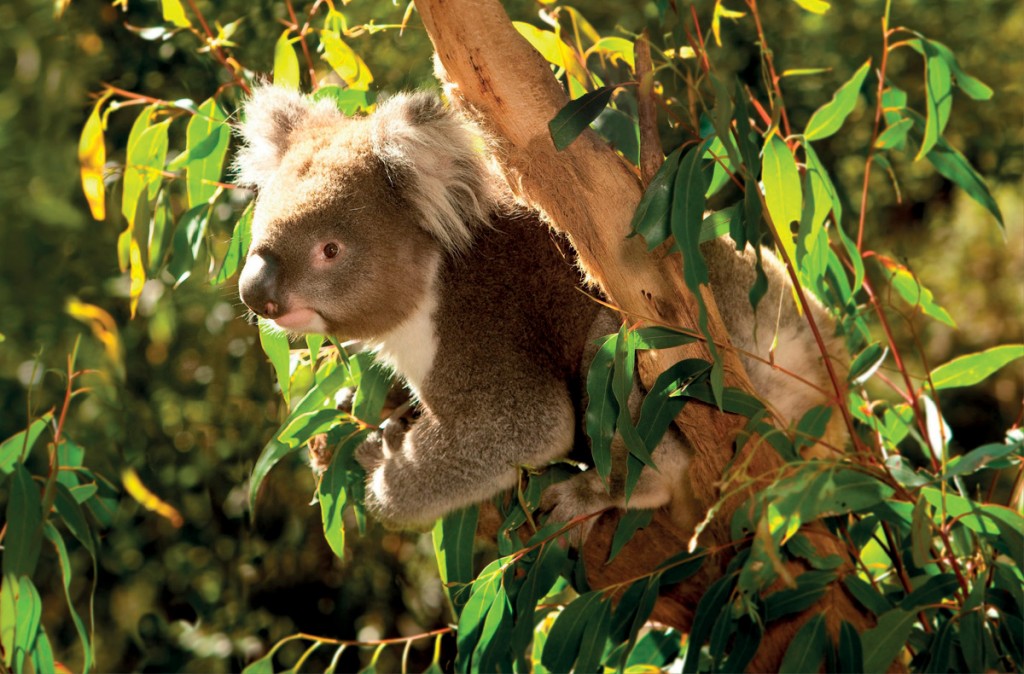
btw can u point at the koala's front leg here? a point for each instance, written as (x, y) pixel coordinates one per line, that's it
(450, 459)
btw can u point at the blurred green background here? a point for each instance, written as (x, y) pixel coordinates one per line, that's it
(198, 401)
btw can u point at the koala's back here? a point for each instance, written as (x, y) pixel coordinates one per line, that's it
(513, 300)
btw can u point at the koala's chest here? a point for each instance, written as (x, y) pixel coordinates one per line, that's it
(410, 349)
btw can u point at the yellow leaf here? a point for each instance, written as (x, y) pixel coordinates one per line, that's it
(716, 19)
(103, 328)
(147, 499)
(137, 275)
(816, 6)
(348, 64)
(92, 154)
(175, 13)
(286, 64)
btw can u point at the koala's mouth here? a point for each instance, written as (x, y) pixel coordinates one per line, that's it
(301, 320)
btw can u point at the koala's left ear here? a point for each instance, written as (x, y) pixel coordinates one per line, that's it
(271, 117)
(436, 158)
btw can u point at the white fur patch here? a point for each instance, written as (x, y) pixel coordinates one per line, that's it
(444, 156)
(410, 348)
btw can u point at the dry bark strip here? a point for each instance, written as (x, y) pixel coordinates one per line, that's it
(589, 193)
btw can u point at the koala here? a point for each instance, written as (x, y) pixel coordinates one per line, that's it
(396, 230)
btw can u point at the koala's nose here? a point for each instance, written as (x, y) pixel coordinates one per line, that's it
(257, 285)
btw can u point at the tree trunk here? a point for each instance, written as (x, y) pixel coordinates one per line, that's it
(588, 192)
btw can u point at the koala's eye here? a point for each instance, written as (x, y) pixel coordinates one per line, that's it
(331, 250)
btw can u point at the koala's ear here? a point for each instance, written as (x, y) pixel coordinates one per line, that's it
(436, 158)
(271, 116)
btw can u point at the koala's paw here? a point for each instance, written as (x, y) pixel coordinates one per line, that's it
(583, 494)
(371, 454)
(393, 431)
(320, 453)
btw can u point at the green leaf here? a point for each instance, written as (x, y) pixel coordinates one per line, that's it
(867, 363)
(711, 604)
(807, 649)
(144, 164)
(207, 140)
(564, 639)
(349, 65)
(492, 653)
(159, 234)
(829, 118)
(941, 649)
(286, 63)
(720, 223)
(939, 97)
(8, 617)
(175, 13)
(810, 587)
(661, 338)
(188, 240)
(895, 135)
(602, 409)
(16, 448)
(24, 525)
(631, 521)
(783, 191)
(239, 246)
(948, 161)
(54, 537)
(687, 215)
(320, 395)
(349, 101)
(474, 613)
(656, 650)
(651, 219)
(577, 116)
(374, 383)
(42, 654)
(300, 429)
(913, 291)
(453, 546)
(29, 611)
(812, 425)
(663, 403)
(971, 86)
(621, 132)
(887, 639)
(332, 495)
(851, 653)
(921, 533)
(993, 455)
(275, 345)
(681, 566)
(540, 578)
(976, 367)
(932, 591)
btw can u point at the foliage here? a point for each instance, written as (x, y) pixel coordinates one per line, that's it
(938, 563)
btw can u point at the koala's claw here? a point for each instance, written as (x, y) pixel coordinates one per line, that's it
(320, 453)
(583, 494)
(371, 453)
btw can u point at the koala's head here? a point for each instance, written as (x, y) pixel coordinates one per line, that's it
(352, 213)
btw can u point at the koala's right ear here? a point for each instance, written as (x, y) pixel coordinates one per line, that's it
(271, 116)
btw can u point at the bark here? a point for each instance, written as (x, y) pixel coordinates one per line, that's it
(588, 192)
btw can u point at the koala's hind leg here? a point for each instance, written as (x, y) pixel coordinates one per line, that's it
(466, 451)
(667, 486)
